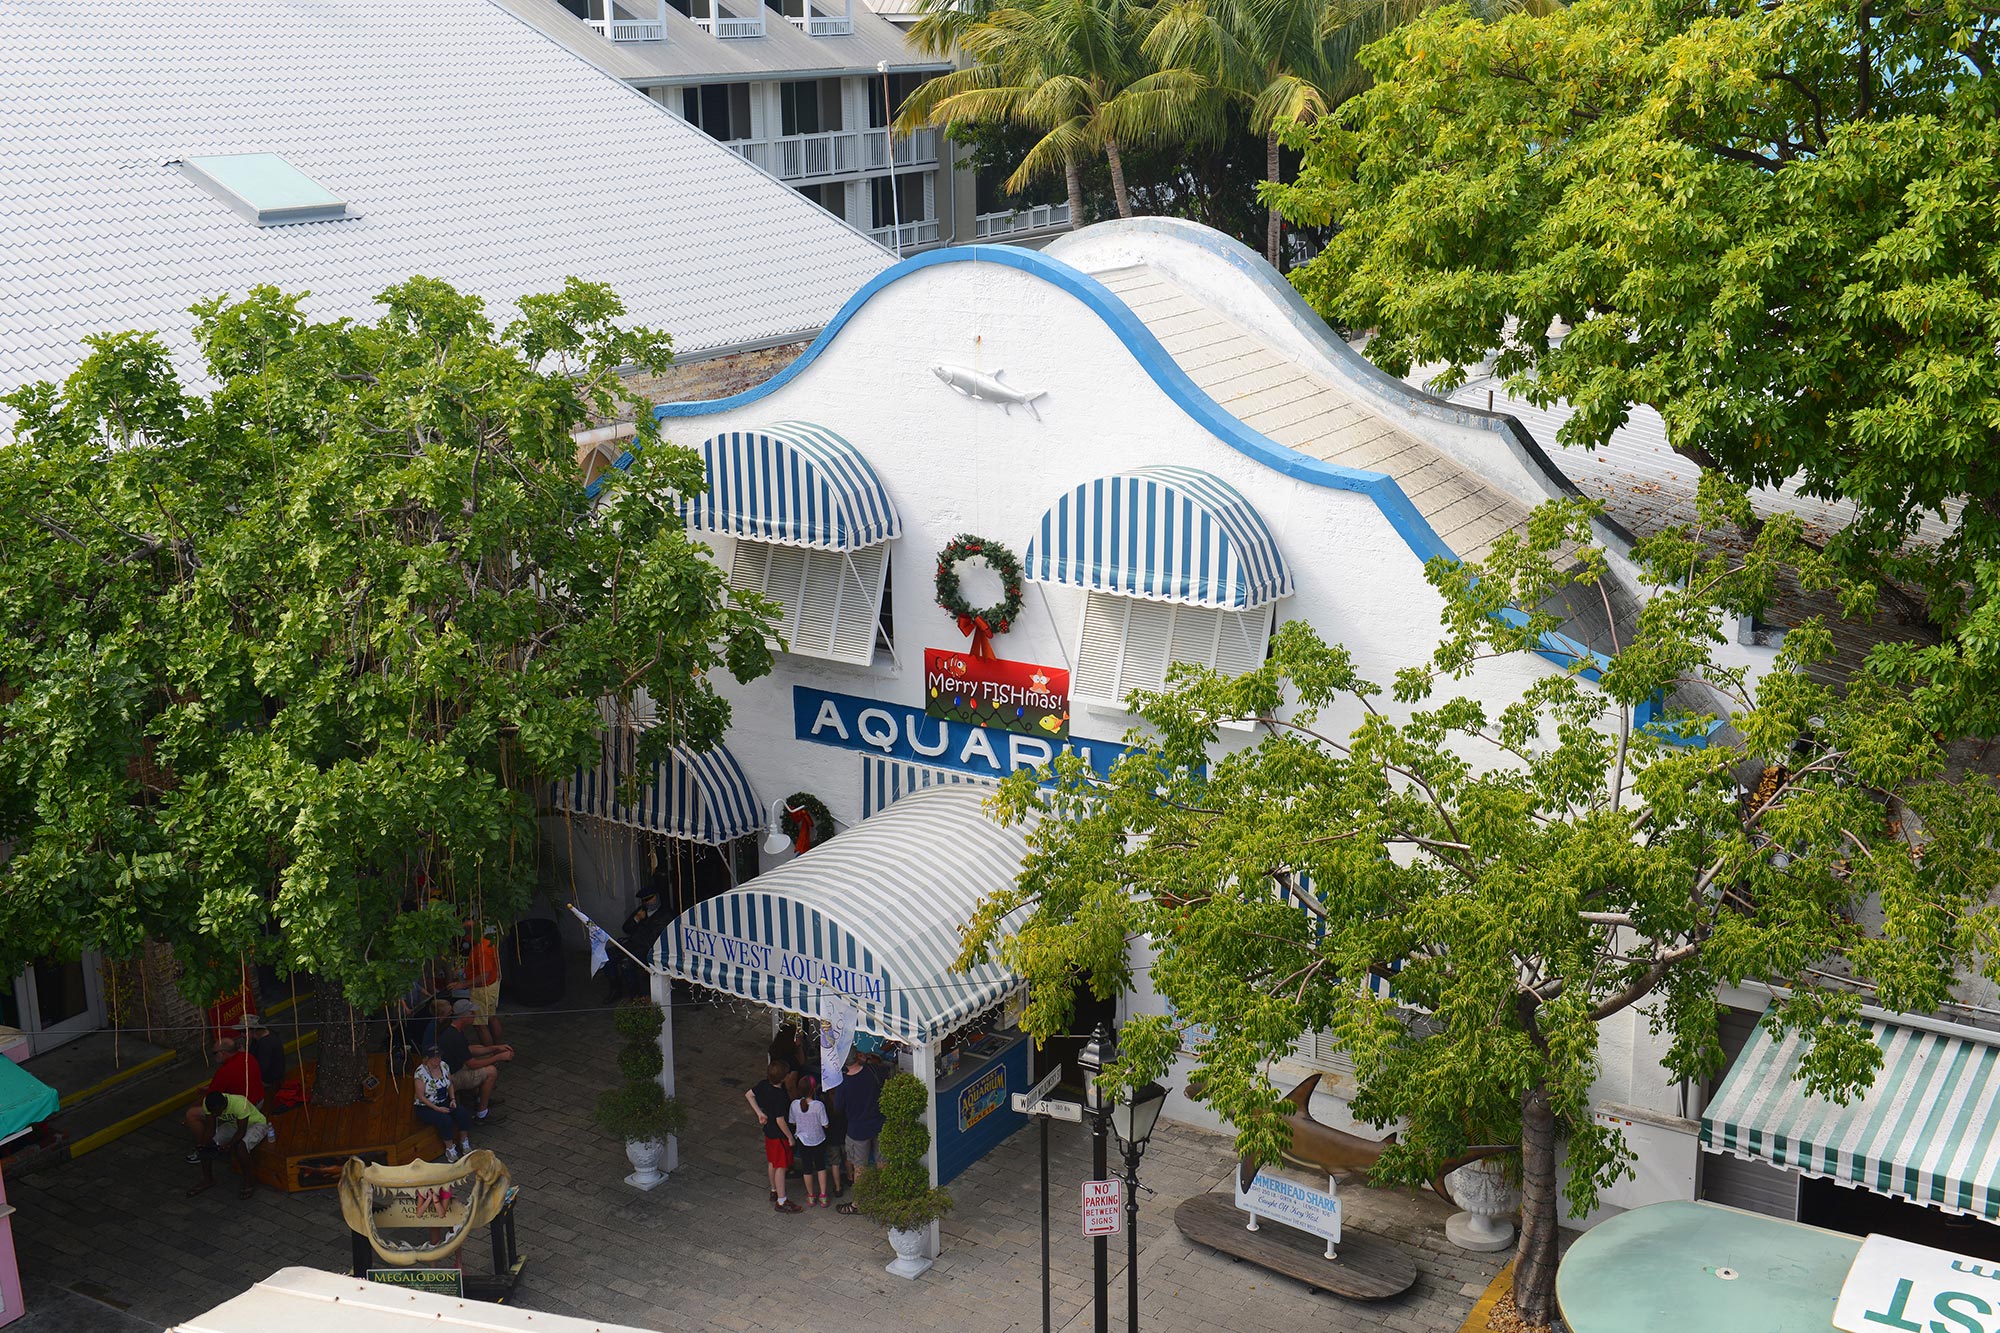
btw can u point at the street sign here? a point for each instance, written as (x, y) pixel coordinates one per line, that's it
(1070, 1111)
(1894, 1284)
(1042, 1089)
(1102, 1213)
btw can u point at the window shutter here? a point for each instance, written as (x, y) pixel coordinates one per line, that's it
(828, 611)
(1194, 634)
(860, 603)
(748, 566)
(1318, 1050)
(1242, 640)
(1149, 635)
(1099, 644)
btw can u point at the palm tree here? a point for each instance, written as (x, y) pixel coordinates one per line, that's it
(1288, 61)
(1071, 70)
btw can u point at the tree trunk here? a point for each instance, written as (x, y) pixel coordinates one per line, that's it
(1118, 178)
(1535, 1259)
(1274, 226)
(342, 1048)
(1073, 178)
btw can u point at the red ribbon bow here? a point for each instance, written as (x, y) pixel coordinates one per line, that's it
(982, 635)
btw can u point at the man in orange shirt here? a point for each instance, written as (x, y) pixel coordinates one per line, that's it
(482, 984)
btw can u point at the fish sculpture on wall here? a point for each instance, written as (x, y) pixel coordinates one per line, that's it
(1320, 1147)
(990, 388)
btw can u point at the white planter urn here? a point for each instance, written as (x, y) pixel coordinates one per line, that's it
(910, 1260)
(645, 1156)
(1490, 1201)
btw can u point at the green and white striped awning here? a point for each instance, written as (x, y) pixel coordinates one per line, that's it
(1927, 1130)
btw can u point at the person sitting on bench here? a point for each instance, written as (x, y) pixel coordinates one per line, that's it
(234, 1124)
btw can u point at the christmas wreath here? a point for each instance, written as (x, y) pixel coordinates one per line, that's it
(974, 620)
(809, 831)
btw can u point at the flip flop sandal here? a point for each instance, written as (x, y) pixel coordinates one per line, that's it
(847, 1210)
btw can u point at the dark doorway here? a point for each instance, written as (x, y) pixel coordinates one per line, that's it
(1823, 1203)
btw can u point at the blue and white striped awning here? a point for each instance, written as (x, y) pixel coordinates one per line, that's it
(1171, 534)
(702, 796)
(887, 781)
(871, 916)
(1927, 1129)
(795, 484)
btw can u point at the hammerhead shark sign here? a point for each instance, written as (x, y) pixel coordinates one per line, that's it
(1321, 1148)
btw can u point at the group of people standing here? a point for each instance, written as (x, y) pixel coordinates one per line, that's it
(462, 1046)
(828, 1136)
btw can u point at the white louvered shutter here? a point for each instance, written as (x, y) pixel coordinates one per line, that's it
(1194, 634)
(749, 565)
(1149, 635)
(830, 606)
(859, 577)
(1099, 646)
(1242, 639)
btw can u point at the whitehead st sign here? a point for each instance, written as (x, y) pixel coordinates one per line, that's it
(1896, 1287)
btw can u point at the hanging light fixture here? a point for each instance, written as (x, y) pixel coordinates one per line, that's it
(775, 838)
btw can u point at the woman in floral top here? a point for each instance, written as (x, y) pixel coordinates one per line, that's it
(437, 1104)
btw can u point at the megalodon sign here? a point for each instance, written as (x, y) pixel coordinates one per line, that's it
(451, 1197)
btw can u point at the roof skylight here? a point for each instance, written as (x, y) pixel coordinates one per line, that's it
(264, 188)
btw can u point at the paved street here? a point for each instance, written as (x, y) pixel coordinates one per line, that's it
(109, 1244)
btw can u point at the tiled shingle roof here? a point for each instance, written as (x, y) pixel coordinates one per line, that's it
(472, 148)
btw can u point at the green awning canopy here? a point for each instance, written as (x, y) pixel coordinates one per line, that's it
(24, 1099)
(1928, 1129)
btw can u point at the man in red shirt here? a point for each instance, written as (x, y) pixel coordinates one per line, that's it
(236, 1075)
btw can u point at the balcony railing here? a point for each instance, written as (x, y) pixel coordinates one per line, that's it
(711, 16)
(913, 234)
(919, 148)
(755, 151)
(803, 156)
(630, 30)
(1019, 221)
(826, 25)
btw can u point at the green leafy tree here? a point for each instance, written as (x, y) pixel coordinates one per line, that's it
(290, 659)
(1521, 873)
(1072, 70)
(1768, 223)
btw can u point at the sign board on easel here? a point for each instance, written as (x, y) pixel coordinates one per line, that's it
(1277, 1199)
(1102, 1213)
(1894, 1284)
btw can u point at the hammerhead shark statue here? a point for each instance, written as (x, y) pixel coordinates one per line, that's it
(1320, 1147)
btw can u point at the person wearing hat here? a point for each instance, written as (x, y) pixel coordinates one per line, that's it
(438, 1105)
(475, 1066)
(640, 933)
(266, 1047)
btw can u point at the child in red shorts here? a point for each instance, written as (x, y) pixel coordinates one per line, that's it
(769, 1100)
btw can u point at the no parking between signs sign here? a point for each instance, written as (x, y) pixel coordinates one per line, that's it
(1102, 1215)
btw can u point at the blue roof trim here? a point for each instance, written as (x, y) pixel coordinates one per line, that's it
(1396, 507)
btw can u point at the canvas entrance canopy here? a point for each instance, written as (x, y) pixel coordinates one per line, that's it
(1168, 534)
(872, 916)
(1927, 1130)
(700, 795)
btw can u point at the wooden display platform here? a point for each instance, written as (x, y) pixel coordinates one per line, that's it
(1368, 1269)
(314, 1142)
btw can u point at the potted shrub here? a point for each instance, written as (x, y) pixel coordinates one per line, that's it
(898, 1194)
(639, 1110)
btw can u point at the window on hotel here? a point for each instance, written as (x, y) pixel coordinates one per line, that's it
(1126, 644)
(809, 106)
(719, 110)
(832, 599)
(908, 205)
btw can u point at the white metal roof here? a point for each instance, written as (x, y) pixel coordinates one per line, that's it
(305, 1300)
(466, 146)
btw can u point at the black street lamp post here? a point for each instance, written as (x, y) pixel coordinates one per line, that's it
(1134, 1119)
(1100, 1050)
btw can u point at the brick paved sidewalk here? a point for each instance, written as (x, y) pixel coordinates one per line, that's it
(112, 1232)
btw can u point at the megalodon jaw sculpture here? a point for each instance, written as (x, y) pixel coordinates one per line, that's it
(1320, 1147)
(990, 389)
(450, 1197)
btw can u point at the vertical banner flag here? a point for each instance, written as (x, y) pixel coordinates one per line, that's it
(837, 1021)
